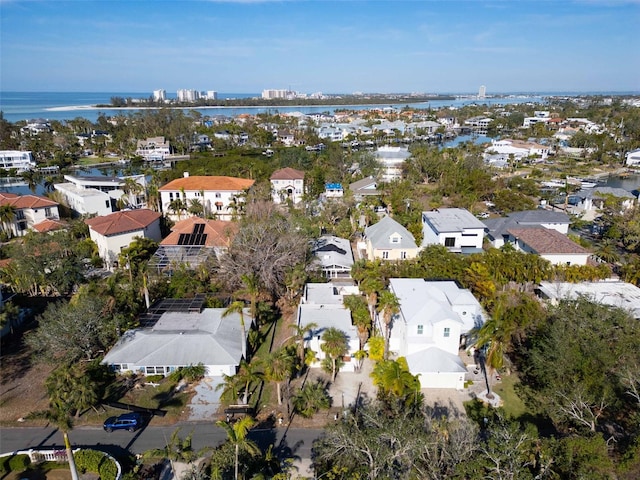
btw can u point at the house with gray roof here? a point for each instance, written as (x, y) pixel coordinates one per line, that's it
(333, 255)
(388, 240)
(455, 228)
(180, 339)
(595, 198)
(430, 328)
(367, 187)
(497, 228)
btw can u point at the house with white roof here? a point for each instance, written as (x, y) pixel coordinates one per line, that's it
(219, 196)
(116, 231)
(607, 292)
(287, 184)
(388, 240)
(633, 158)
(392, 160)
(18, 160)
(333, 255)
(179, 339)
(322, 304)
(497, 228)
(30, 212)
(455, 228)
(431, 327)
(517, 149)
(595, 199)
(94, 195)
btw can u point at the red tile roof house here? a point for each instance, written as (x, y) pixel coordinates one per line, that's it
(116, 231)
(217, 195)
(549, 244)
(192, 242)
(29, 211)
(287, 183)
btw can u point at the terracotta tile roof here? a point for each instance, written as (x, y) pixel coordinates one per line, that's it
(49, 225)
(208, 183)
(287, 174)
(547, 241)
(26, 201)
(219, 233)
(121, 222)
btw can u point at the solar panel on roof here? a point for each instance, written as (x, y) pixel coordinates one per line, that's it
(198, 228)
(182, 239)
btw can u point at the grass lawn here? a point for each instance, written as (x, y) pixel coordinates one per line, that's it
(513, 406)
(45, 471)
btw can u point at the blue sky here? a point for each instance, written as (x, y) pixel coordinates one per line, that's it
(328, 46)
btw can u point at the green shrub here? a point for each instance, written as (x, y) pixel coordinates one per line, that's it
(18, 463)
(154, 378)
(97, 462)
(190, 373)
(4, 465)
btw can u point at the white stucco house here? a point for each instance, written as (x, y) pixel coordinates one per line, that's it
(219, 196)
(595, 198)
(388, 240)
(516, 149)
(30, 212)
(92, 195)
(434, 319)
(116, 231)
(153, 149)
(455, 228)
(322, 304)
(180, 339)
(392, 160)
(633, 158)
(16, 159)
(287, 184)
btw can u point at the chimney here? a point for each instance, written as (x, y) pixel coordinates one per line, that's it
(186, 174)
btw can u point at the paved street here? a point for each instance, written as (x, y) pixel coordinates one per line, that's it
(296, 441)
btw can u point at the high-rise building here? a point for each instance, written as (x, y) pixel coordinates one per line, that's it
(212, 95)
(482, 91)
(160, 95)
(272, 93)
(185, 95)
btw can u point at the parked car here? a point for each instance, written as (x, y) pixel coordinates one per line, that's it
(127, 421)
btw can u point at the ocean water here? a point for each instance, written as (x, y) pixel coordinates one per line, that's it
(17, 106)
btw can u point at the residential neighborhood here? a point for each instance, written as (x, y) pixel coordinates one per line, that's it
(296, 269)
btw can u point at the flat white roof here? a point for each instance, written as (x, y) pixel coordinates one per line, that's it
(617, 294)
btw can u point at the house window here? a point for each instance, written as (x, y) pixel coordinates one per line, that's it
(106, 203)
(170, 195)
(450, 242)
(447, 332)
(395, 239)
(47, 212)
(403, 255)
(218, 195)
(385, 255)
(20, 215)
(155, 370)
(420, 329)
(218, 206)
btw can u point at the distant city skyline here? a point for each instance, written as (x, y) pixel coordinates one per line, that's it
(248, 46)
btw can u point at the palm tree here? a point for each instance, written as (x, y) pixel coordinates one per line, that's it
(311, 398)
(49, 184)
(237, 435)
(7, 216)
(370, 286)
(359, 316)
(388, 306)
(334, 345)
(394, 380)
(195, 207)
(60, 418)
(248, 372)
(131, 188)
(298, 336)
(230, 388)
(237, 307)
(177, 206)
(251, 289)
(278, 368)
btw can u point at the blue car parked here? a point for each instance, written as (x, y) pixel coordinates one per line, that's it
(127, 421)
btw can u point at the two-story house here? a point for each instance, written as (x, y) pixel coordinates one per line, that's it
(388, 240)
(287, 184)
(431, 327)
(28, 212)
(455, 228)
(219, 196)
(112, 233)
(497, 228)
